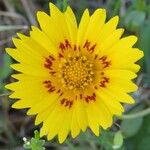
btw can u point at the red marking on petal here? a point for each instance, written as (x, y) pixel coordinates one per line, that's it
(102, 73)
(49, 62)
(62, 47)
(49, 86)
(76, 97)
(61, 94)
(67, 44)
(63, 101)
(52, 72)
(59, 91)
(95, 56)
(86, 45)
(66, 102)
(104, 81)
(89, 98)
(75, 48)
(95, 87)
(105, 62)
(89, 47)
(92, 48)
(60, 55)
(51, 57)
(79, 48)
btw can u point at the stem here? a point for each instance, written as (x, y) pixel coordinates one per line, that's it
(12, 27)
(65, 4)
(136, 115)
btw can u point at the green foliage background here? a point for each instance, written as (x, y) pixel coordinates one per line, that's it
(126, 133)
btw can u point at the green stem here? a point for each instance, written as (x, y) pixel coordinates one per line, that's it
(136, 115)
(65, 4)
(12, 27)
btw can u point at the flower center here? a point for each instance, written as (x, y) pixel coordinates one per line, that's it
(76, 72)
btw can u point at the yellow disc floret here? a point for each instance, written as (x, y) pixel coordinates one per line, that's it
(76, 72)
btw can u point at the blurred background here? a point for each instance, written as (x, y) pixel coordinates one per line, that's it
(132, 132)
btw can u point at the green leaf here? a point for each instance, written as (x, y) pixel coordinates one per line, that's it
(106, 139)
(27, 146)
(141, 141)
(144, 45)
(134, 19)
(130, 127)
(65, 4)
(144, 144)
(116, 7)
(35, 143)
(1, 87)
(36, 134)
(140, 5)
(5, 70)
(59, 4)
(118, 140)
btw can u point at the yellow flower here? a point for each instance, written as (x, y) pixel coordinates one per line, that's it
(73, 77)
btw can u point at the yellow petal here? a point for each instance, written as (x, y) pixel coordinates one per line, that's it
(43, 116)
(111, 103)
(81, 115)
(65, 126)
(109, 41)
(127, 59)
(119, 95)
(56, 113)
(44, 104)
(120, 74)
(124, 84)
(55, 124)
(47, 45)
(61, 24)
(75, 129)
(108, 29)
(71, 24)
(83, 27)
(48, 26)
(22, 57)
(123, 44)
(93, 121)
(54, 11)
(104, 115)
(31, 70)
(20, 104)
(96, 22)
(29, 47)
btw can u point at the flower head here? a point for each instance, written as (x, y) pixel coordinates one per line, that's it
(73, 77)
